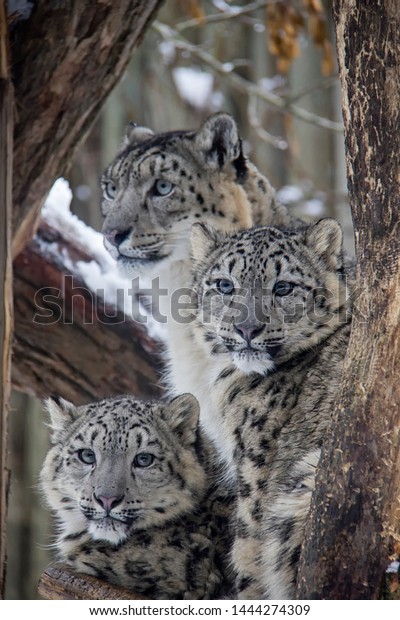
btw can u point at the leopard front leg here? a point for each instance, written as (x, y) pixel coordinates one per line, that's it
(286, 509)
(246, 551)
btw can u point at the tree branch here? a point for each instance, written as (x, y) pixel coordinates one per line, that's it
(224, 15)
(240, 83)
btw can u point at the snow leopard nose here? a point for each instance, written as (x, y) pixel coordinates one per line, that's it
(108, 503)
(116, 237)
(248, 332)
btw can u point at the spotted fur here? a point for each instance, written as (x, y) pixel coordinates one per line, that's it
(134, 491)
(153, 191)
(277, 340)
(158, 185)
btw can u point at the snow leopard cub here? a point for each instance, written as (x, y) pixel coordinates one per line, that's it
(136, 498)
(273, 312)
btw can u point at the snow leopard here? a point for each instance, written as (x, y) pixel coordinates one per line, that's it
(136, 496)
(155, 188)
(273, 314)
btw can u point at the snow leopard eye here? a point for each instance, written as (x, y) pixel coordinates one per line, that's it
(282, 288)
(87, 456)
(110, 190)
(143, 459)
(225, 286)
(163, 188)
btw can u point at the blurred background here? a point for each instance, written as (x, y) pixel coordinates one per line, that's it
(271, 64)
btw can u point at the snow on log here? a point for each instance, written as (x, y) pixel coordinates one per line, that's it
(74, 331)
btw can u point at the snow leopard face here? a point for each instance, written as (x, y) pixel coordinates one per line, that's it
(158, 185)
(122, 464)
(264, 295)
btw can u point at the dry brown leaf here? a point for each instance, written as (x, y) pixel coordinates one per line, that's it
(283, 65)
(314, 6)
(318, 30)
(328, 59)
(283, 23)
(194, 9)
(273, 46)
(290, 30)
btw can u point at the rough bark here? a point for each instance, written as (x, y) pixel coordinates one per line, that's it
(59, 582)
(6, 310)
(354, 527)
(84, 350)
(66, 58)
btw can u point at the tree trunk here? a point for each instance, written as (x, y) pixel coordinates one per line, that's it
(6, 310)
(354, 527)
(66, 58)
(67, 341)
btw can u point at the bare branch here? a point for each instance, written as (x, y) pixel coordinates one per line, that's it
(326, 82)
(240, 83)
(255, 123)
(224, 16)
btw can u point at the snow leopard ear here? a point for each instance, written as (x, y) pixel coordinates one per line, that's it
(325, 238)
(218, 143)
(61, 413)
(134, 134)
(204, 238)
(183, 417)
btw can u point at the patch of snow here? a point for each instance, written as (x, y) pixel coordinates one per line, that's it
(394, 567)
(314, 207)
(56, 212)
(271, 83)
(110, 286)
(59, 197)
(155, 329)
(217, 101)
(194, 86)
(258, 27)
(223, 6)
(227, 67)
(289, 194)
(167, 51)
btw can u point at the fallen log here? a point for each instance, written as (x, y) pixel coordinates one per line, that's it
(60, 583)
(68, 340)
